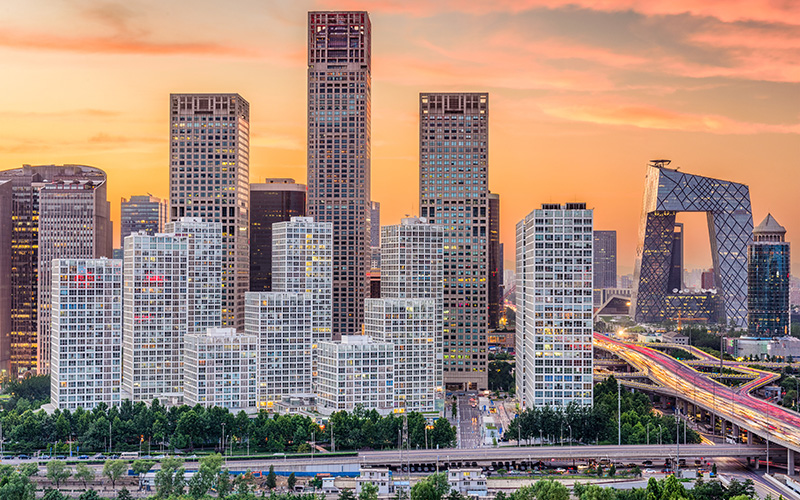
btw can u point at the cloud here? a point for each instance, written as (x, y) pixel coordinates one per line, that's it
(638, 115)
(119, 44)
(104, 138)
(68, 113)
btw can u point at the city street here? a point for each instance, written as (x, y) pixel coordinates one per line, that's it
(469, 422)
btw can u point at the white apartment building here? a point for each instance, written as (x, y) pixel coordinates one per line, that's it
(172, 287)
(412, 259)
(282, 322)
(356, 370)
(554, 306)
(210, 179)
(86, 327)
(470, 482)
(380, 477)
(302, 253)
(221, 369)
(410, 325)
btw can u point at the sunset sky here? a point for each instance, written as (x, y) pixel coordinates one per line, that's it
(582, 94)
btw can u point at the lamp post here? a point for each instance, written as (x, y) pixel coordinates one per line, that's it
(541, 441)
(222, 439)
(659, 434)
(648, 433)
(619, 414)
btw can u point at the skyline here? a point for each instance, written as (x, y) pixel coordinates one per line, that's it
(582, 98)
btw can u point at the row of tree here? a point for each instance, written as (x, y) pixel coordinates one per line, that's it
(138, 426)
(599, 423)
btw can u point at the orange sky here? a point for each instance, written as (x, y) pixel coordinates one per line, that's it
(583, 94)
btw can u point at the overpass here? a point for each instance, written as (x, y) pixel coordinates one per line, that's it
(735, 406)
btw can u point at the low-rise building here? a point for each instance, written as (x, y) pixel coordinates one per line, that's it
(221, 369)
(675, 338)
(470, 482)
(379, 477)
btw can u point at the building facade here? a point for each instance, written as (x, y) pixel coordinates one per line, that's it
(339, 152)
(494, 262)
(142, 213)
(6, 292)
(356, 370)
(302, 262)
(274, 200)
(454, 149)
(86, 358)
(172, 288)
(554, 306)
(411, 326)
(413, 268)
(74, 222)
(282, 323)
(659, 264)
(210, 180)
(605, 263)
(375, 237)
(26, 183)
(221, 369)
(768, 275)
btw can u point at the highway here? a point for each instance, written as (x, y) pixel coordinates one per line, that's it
(469, 423)
(734, 405)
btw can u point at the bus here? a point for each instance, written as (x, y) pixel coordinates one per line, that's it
(129, 455)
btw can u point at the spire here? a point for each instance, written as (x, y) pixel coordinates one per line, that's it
(769, 230)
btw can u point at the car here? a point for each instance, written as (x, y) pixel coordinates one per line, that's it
(60, 457)
(114, 457)
(44, 457)
(83, 457)
(23, 457)
(649, 471)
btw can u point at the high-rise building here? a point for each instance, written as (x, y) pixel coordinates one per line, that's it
(554, 306)
(172, 288)
(282, 322)
(339, 152)
(355, 371)
(302, 262)
(411, 325)
(412, 268)
(6, 234)
(86, 361)
(495, 262)
(659, 263)
(707, 279)
(454, 193)
(142, 213)
(74, 222)
(274, 200)
(221, 369)
(605, 263)
(769, 268)
(375, 236)
(210, 179)
(26, 183)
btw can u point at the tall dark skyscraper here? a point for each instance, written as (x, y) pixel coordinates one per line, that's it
(27, 182)
(276, 200)
(6, 232)
(605, 259)
(375, 236)
(210, 179)
(495, 266)
(339, 152)
(142, 213)
(453, 159)
(768, 276)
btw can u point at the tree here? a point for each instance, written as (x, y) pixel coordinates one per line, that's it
(272, 479)
(291, 481)
(141, 466)
(454, 409)
(84, 474)
(636, 471)
(595, 492)
(737, 488)
(672, 489)
(316, 483)
(57, 471)
(89, 495)
(29, 470)
(210, 467)
(455, 495)
(51, 494)
(612, 470)
(549, 489)
(368, 492)
(169, 480)
(124, 494)
(224, 486)
(17, 487)
(423, 490)
(599, 471)
(346, 494)
(114, 469)
(714, 469)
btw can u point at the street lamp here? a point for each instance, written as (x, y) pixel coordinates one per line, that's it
(648, 433)
(222, 439)
(659, 434)
(541, 442)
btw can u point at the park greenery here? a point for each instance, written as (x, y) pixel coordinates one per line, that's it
(150, 428)
(598, 423)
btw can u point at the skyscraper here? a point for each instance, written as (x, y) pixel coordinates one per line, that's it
(339, 152)
(276, 200)
(605, 263)
(453, 136)
(6, 232)
(495, 265)
(769, 267)
(26, 182)
(86, 362)
(375, 237)
(210, 179)
(142, 213)
(74, 222)
(172, 288)
(412, 260)
(554, 306)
